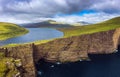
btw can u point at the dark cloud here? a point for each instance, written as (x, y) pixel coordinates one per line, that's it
(107, 6)
(52, 7)
(35, 9)
(78, 5)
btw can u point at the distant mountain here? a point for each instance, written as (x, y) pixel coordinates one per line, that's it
(48, 23)
(84, 23)
(80, 23)
(53, 24)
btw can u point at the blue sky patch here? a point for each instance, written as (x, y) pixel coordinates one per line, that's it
(81, 13)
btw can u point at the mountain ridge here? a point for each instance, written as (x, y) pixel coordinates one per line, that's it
(53, 23)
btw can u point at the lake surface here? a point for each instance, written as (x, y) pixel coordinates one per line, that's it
(34, 35)
(99, 66)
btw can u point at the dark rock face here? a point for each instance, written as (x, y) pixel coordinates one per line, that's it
(78, 47)
(64, 50)
(25, 53)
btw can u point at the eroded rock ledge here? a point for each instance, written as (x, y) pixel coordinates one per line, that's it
(63, 50)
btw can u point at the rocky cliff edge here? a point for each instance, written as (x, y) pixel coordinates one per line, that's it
(63, 50)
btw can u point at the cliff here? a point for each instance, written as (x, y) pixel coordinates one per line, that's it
(78, 47)
(25, 54)
(69, 49)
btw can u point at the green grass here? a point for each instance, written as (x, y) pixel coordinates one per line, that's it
(7, 66)
(3, 67)
(9, 30)
(89, 29)
(35, 42)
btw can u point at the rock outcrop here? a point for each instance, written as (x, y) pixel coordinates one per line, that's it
(64, 49)
(25, 54)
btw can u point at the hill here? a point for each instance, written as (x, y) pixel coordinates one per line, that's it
(9, 30)
(89, 29)
(53, 24)
(48, 24)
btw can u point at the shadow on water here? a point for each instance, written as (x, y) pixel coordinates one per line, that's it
(100, 66)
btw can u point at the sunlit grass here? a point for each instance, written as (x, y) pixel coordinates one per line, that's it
(88, 29)
(7, 67)
(35, 42)
(8, 30)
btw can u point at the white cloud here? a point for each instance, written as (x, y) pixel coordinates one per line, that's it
(91, 18)
(24, 11)
(12, 20)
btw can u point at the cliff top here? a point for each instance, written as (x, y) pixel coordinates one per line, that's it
(88, 29)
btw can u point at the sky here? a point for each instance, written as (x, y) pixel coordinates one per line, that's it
(69, 11)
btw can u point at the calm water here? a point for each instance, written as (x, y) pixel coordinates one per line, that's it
(33, 35)
(99, 66)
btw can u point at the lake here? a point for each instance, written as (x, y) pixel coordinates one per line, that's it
(34, 35)
(99, 66)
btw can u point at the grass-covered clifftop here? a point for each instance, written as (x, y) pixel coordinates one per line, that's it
(9, 30)
(89, 29)
(7, 66)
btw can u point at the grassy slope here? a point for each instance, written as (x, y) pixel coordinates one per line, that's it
(104, 26)
(8, 30)
(7, 70)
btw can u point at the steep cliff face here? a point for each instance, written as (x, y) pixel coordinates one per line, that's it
(25, 54)
(78, 47)
(64, 50)
(116, 38)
